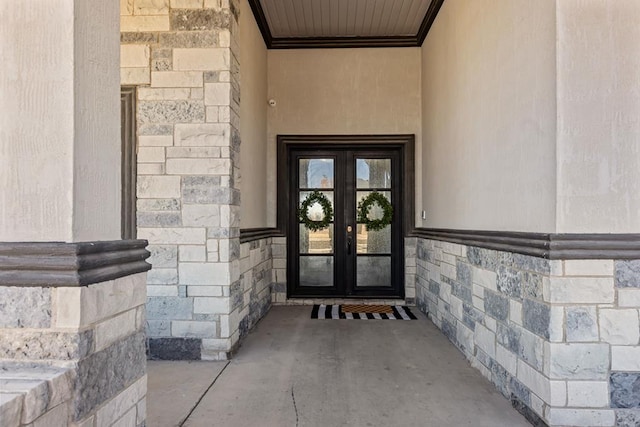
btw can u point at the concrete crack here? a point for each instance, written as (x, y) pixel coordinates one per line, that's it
(295, 407)
(185, 419)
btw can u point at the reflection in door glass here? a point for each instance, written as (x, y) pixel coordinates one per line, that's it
(374, 271)
(316, 173)
(373, 173)
(316, 271)
(316, 242)
(373, 242)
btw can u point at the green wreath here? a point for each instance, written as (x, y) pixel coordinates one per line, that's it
(327, 210)
(365, 206)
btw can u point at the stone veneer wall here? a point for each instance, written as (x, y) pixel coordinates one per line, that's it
(253, 298)
(73, 355)
(183, 57)
(559, 338)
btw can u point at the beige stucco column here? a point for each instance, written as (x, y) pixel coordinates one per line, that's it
(59, 121)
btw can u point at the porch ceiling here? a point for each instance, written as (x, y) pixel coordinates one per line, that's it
(287, 24)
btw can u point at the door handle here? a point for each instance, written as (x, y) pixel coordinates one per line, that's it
(349, 230)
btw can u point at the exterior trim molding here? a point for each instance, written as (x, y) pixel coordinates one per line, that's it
(343, 42)
(252, 234)
(542, 245)
(59, 264)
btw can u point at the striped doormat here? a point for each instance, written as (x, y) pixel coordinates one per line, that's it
(364, 312)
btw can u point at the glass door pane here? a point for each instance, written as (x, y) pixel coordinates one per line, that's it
(316, 247)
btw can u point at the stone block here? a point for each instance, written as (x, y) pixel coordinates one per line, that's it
(114, 329)
(176, 79)
(138, 24)
(134, 55)
(175, 349)
(506, 359)
(173, 236)
(191, 253)
(149, 129)
(193, 329)
(162, 291)
(159, 308)
(588, 267)
(582, 324)
(463, 273)
(193, 152)
(138, 37)
(534, 380)
(627, 418)
(581, 417)
(558, 393)
(163, 256)
(11, 408)
(151, 155)
(582, 290)
(22, 307)
(485, 340)
(619, 326)
(150, 205)
(198, 166)
(151, 7)
(155, 141)
(79, 307)
(150, 169)
(204, 274)
(36, 396)
(579, 361)
(629, 298)
(515, 312)
(625, 390)
(180, 111)
(207, 305)
(203, 135)
(496, 306)
(532, 285)
(158, 219)
(200, 59)
(537, 317)
(509, 337)
(203, 190)
(509, 282)
(217, 94)
(149, 94)
(531, 349)
(204, 291)
(107, 373)
(200, 19)
(201, 215)
(588, 394)
(627, 274)
(625, 358)
(158, 187)
(484, 258)
(135, 76)
(192, 39)
(159, 328)
(56, 417)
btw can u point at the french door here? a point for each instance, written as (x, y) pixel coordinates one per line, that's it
(333, 254)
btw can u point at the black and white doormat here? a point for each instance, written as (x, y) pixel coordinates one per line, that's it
(362, 312)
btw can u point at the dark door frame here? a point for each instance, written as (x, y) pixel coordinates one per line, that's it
(405, 143)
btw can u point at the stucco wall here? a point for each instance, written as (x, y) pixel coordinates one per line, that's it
(489, 116)
(342, 91)
(36, 136)
(598, 109)
(253, 122)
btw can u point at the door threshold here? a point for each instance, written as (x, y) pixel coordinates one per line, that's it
(334, 301)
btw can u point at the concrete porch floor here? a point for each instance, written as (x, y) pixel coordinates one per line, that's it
(295, 371)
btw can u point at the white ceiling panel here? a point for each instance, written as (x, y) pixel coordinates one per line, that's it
(344, 18)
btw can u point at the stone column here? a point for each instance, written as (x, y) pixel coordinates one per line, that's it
(183, 58)
(71, 295)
